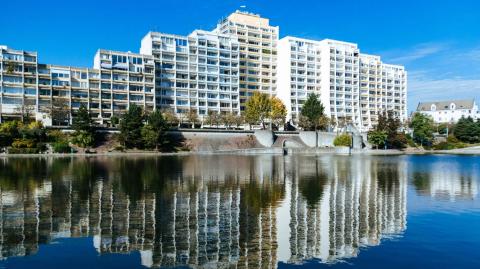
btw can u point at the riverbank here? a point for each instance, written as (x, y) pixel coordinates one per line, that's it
(256, 151)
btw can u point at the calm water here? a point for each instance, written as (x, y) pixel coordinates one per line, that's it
(240, 212)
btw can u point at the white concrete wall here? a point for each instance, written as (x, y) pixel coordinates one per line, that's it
(283, 75)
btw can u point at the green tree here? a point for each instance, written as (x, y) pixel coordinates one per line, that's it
(83, 125)
(390, 124)
(82, 121)
(257, 108)
(155, 131)
(467, 130)
(312, 111)
(423, 127)
(377, 138)
(131, 126)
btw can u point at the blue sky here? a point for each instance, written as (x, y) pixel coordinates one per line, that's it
(437, 41)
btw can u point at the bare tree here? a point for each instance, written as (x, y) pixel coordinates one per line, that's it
(26, 110)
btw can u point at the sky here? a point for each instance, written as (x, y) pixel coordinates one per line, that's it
(437, 41)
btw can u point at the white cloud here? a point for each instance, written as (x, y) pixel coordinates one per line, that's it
(421, 89)
(439, 71)
(419, 51)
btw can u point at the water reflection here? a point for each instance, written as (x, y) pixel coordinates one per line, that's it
(209, 211)
(446, 179)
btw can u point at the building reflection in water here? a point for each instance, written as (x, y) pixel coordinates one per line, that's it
(446, 180)
(204, 211)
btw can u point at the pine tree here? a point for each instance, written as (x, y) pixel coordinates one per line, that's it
(312, 110)
(131, 126)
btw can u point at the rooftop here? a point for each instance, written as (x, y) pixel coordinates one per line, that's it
(445, 105)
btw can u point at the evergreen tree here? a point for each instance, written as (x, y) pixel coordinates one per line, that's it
(154, 132)
(82, 120)
(83, 125)
(312, 111)
(131, 126)
(467, 130)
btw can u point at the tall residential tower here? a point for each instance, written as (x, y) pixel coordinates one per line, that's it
(258, 52)
(353, 87)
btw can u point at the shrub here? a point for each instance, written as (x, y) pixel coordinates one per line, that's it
(56, 136)
(23, 150)
(83, 139)
(61, 147)
(344, 140)
(21, 143)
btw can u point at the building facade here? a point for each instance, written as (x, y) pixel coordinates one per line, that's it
(353, 87)
(449, 111)
(197, 72)
(258, 52)
(208, 71)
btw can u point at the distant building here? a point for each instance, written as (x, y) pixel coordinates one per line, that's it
(449, 111)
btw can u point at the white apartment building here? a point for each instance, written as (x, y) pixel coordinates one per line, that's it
(117, 80)
(258, 52)
(353, 87)
(125, 78)
(210, 71)
(449, 111)
(199, 71)
(18, 81)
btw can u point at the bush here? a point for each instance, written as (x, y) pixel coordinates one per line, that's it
(21, 143)
(343, 140)
(23, 150)
(83, 139)
(56, 136)
(61, 147)
(119, 148)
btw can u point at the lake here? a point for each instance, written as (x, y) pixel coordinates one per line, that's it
(263, 211)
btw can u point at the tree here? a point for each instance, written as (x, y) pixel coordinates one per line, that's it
(467, 130)
(192, 117)
(60, 112)
(26, 110)
(422, 126)
(239, 120)
(83, 125)
(324, 122)
(228, 119)
(312, 111)
(170, 117)
(131, 126)
(213, 118)
(278, 111)
(155, 131)
(114, 120)
(82, 121)
(390, 125)
(257, 108)
(377, 138)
